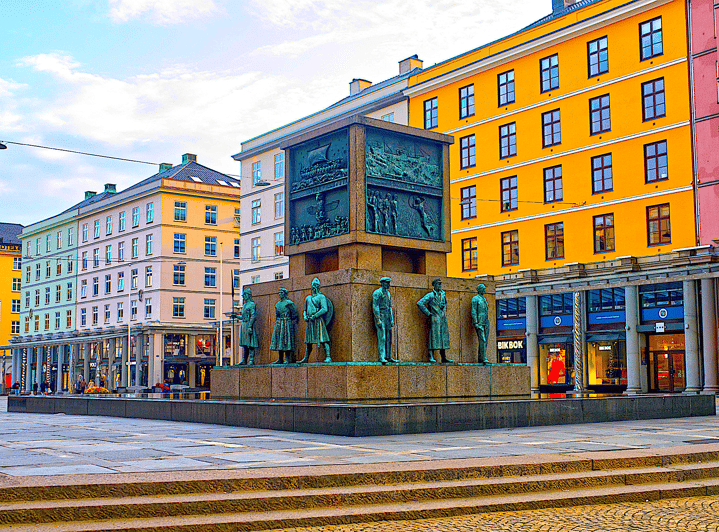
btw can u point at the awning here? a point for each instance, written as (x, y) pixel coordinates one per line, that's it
(606, 337)
(557, 340)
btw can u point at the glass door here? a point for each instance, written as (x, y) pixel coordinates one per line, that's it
(669, 371)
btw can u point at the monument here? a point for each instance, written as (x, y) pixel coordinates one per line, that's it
(368, 200)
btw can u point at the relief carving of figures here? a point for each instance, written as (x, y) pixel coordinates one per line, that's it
(383, 161)
(324, 228)
(318, 314)
(248, 335)
(283, 335)
(417, 203)
(480, 322)
(434, 305)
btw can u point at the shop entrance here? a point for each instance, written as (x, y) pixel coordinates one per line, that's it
(666, 363)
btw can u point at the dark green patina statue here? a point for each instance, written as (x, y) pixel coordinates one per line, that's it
(248, 335)
(283, 335)
(383, 320)
(480, 322)
(434, 305)
(318, 314)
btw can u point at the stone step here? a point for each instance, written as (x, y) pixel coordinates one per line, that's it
(49, 511)
(266, 520)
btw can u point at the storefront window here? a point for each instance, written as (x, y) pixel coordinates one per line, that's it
(511, 308)
(667, 372)
(661, 295)
(606, 299)
(556, 304)
(607, 363)
(557, 364)
(511, 351)
(205, 346)
(174, 345)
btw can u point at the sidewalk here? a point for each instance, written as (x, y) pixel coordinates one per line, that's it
(40, 444)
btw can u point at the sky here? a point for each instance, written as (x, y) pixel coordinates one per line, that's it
(152, 79)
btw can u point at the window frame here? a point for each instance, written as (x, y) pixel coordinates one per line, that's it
(602, 169)
(510, 186)
(511, 134)
(551, 125)
(553, 180)
(470, 256)
(600, 109)
(653, 96)
(505, 85)
(604, 227)
(662, 238)
(508, 245)
(642, 57)
(598, 55)
(549, 69)
(468, 202)
(468, 100)
(431, 113)
(467, 152)
(656, 157)
(557, 238)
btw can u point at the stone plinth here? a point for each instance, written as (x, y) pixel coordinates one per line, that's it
(371, 381)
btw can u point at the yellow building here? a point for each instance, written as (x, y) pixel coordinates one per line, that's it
(567, 149)
(10, 274)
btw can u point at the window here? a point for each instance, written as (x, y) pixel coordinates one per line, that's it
(108, 254)
(599, 115)
(133, 279)
(256, 172)
(68, 319)
(84, 260)
(255, 279)
(108, 225)
(83, 318)
(469, 202)
(120, 311)
(57, 320)
(27, 274)
(148, 308)
(279, 244)
(279, 165)
(655, 162)
(135, 247)
(554, 241)
(14, 327)
(466, 150)
(94, 315)
(150, 213)
(120, 281)
(602, 173)
(469, 254)
(37, 271)
(135, 216)
(48, 240)
(83, 288)
(178, 307)
(507, 140)
(120, 251)
(95, 286)
(236, 278)
(549, 67)
(178, 274)
(256, 249)
(553, 184)
(508, 188)
(58, 293)
(37, 323)
(133, 310)
(27, 299)
(58, 267)
(59, 240)
(210, 246)
(603, 233)
(210, 277)
(17, 263)
(96, 232)
(96, 257)
(209, 309)
(389, 117)
(107, 313)
(15, 305)
(279, 276)
(47, 322)
(27, 248)
(505, 87)
(430, 113)
(121, 221)
(256, 211)
(47, 295)
(211, 214)
(70, 261)
(606, 299)
(70, 236)
(551, 129)
(236, 248)
(279, 205)
(37, 246)
(653, 99)
(650, 33)
(179, 243)
(48, 269)
(659, 229)
(148, 276)
(180, 211)
(598, 57)
(466, 101)
(69, 291)
(148, 244)
(510, 248)
(661, 295)
(27, 324)
(556, 304)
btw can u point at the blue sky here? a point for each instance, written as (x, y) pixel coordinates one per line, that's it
(153, 79)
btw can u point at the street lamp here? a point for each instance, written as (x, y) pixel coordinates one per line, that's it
(2, 146)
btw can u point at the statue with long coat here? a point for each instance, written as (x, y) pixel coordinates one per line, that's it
(318, 313)
(248, 335)
(283, 336)
(434, 305)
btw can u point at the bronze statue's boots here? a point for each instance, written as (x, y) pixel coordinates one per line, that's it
(383, 361)
(281, 359)
(484, 361)
(445, 360)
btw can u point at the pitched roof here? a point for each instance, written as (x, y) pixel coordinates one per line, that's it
(9, 233)
(190, 171)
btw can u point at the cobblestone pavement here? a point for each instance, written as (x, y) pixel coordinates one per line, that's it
(59, 444)
(669, 515)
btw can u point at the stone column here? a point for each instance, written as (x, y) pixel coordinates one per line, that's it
(158, 356)
(151, 360)
(138, 359)
(13, 376)
(709, 335)
(634, 357)
(28, 366)
(532, 319)
(112, 346)
(124, 357)
(86, 362)
(71, 359)
(691, 338)
(60, 362)
(39, 361)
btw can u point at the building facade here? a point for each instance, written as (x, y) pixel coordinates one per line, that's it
(10, 291)
(260, 245)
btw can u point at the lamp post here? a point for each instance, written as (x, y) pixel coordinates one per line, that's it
(4, 376)
(220, 342)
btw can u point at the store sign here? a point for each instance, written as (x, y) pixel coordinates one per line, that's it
(605, 348)
(510, 344)
(555, 349)
(659, 327)
(663, 313)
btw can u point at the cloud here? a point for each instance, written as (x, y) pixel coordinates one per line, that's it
(161, 12)
(10, 118)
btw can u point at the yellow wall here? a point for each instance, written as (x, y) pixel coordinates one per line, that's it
(6, 293)
(625, 141)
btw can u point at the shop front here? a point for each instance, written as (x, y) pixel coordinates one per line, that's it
(511, 329)
(606, 363)
(667, 372)
(556, 364)
(511, 350)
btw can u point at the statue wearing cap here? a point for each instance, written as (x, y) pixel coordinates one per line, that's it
(480, 322)
(383, 320)
(318, 314)
(434, 305)
(248, 335)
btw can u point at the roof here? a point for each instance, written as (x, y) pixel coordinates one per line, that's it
(190, 171)
(9, 233)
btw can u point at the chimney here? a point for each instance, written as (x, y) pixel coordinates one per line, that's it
(110, 188)
(89, 194)
(189, 158)
(410, 63)
(165, 167)
(358, 85)
(558, 6)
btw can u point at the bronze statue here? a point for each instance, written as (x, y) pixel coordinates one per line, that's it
(318, 314)
(248, 335)
(383, 320)
(434, 305)
(283, 335)
(480, 322)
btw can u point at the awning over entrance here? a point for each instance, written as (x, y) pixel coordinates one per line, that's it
(606, 337)
(557, 340)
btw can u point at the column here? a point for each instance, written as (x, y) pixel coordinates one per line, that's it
(138, 359)
(39, 361)
(532, 319)
(156, 349)
(86, 362)
(124, 358)
(151, 361)
(634, 357)
(691, 338)
(112, 346)
(14, 376)
(60, 362)
(191, 351)
(709, 335)
(26, 369)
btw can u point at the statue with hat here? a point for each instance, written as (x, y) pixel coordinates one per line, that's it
(434, 305)
(383, 320)
(480, 322)
(318, 315)
(283, 335)
(248, 335)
